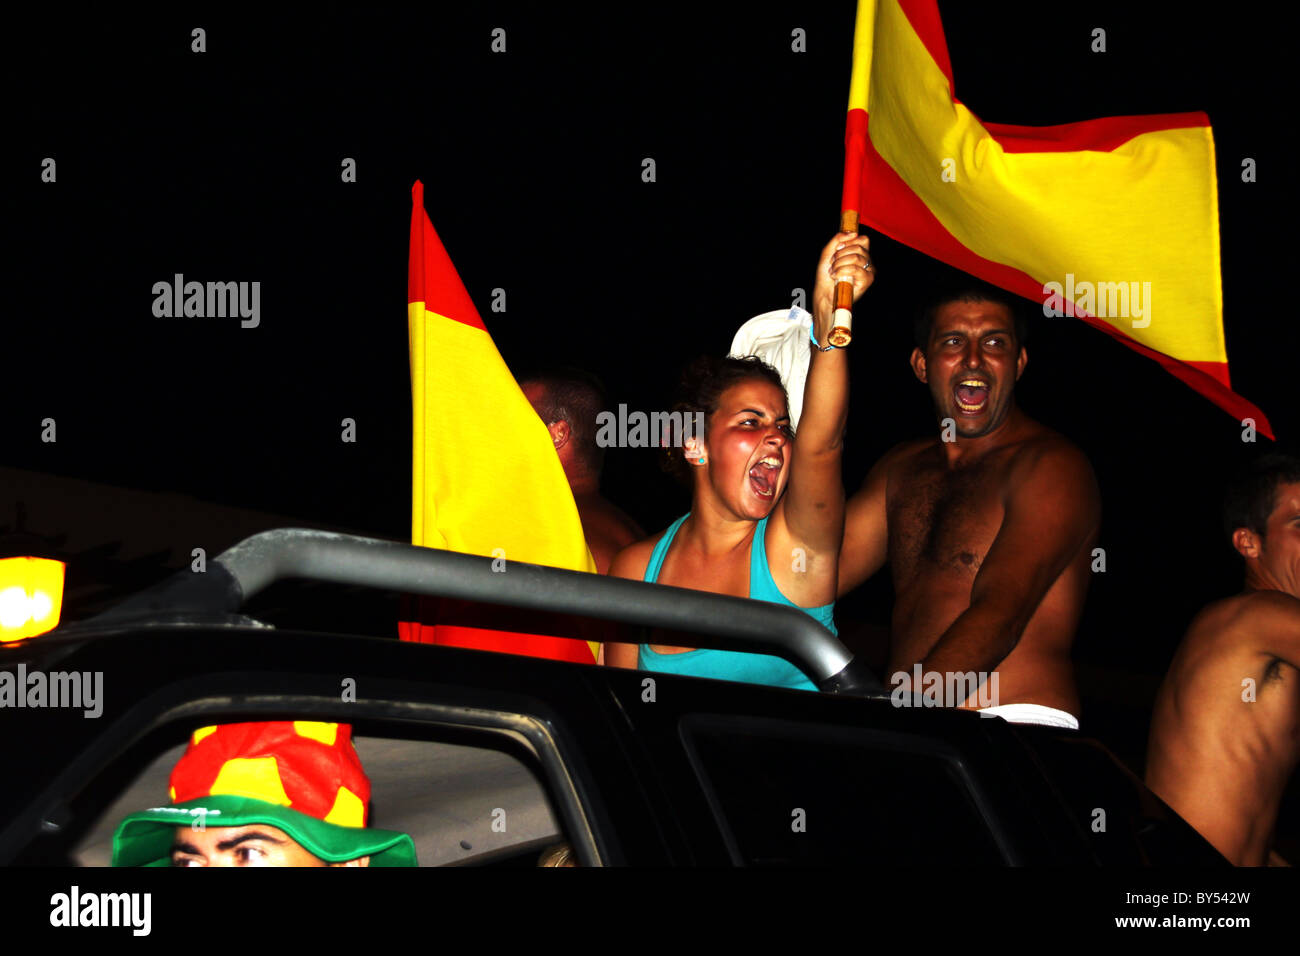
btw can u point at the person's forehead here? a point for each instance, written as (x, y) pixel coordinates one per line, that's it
(533, 391)
(215, 835)
(981, 315)
(763, 396)
(1286, 500)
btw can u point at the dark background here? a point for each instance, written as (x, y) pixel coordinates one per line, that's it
(225, 166)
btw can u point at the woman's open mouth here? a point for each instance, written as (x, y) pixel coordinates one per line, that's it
(762, 477)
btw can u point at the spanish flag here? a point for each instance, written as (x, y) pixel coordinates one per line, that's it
(1114, 220)
(485, 476)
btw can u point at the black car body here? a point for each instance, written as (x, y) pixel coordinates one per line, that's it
(488, 758)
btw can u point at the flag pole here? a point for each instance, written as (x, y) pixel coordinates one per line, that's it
(855, 147)
(842, 325)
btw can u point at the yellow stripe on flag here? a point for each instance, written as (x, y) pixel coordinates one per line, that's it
(486, 478)
(1145, 211)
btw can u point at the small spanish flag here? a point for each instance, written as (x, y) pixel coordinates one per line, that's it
(1112, 220)
(485, 476)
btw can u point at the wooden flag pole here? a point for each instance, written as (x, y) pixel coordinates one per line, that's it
(842, 325)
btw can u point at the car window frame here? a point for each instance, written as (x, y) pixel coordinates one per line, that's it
(957, 766)
(537, 735)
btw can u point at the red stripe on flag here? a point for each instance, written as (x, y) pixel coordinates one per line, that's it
(1216, 370)
(423, 631)
(508, 642)
(432, 279)
(923, 15)
(1098, 135)
(855, 147)
(1104, 134)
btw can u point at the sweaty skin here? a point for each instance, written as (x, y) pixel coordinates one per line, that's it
(1221, 760)
(989, 536)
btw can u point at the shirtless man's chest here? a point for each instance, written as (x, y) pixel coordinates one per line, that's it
(942, 523)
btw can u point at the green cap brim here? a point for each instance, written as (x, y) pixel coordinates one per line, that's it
(146, 838)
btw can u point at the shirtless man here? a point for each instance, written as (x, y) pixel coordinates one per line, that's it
(1225, 732)
(569, 401)
(988, 527)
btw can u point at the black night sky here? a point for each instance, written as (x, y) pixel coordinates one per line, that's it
(225, 166)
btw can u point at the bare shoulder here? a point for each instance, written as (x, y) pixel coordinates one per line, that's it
(611, 519)
(1270, 614)
(886, 474)
(1253, 620)
(607, 530)
(1275, 603)
(906, 451)
(898, 459)
(1045, 447)
(1047, 459)
(631, 562)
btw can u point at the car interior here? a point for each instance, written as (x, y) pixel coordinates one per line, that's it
(463, 802)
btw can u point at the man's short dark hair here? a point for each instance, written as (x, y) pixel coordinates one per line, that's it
(1252, 491)
(575, 396)
(969, 290)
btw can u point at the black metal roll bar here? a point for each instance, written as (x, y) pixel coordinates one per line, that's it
(730, 623)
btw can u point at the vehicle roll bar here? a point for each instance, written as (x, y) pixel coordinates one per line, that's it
(731, 623)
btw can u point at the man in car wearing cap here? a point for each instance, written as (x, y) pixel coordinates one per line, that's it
(281, 793)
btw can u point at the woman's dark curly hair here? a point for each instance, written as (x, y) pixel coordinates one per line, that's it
(700, 388)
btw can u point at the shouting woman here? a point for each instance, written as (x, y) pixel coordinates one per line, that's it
(767, 510)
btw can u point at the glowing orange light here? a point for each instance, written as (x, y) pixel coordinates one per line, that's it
(31, 596)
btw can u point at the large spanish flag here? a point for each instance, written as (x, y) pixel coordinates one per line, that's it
(485, 476)
(1114, 220)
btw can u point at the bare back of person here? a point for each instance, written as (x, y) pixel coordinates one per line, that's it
(607, 528)
(1225, 731)
(943, 519)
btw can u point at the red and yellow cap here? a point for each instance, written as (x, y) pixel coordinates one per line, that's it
(304, 777)
(310, 766)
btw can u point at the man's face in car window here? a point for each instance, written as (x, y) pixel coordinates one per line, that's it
(253, 845)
